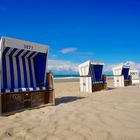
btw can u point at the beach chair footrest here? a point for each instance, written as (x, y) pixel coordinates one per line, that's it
(99, 86)
(127, 83)
(21, 100)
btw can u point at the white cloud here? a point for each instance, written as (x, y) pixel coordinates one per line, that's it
(132, 65)
(62, 66)
(68, 50)
(53, 56)
(68, 67)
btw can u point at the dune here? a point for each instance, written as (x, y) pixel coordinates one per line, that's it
(112, 114)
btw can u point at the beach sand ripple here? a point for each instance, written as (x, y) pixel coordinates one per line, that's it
(112, 114)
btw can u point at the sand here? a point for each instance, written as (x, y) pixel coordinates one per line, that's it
(112, 114)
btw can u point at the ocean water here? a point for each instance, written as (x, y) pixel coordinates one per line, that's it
(73, 76)
(65, 76)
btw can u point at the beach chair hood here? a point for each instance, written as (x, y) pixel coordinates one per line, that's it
(121, 70)
(91, 77)
(23, 64)
(93, 69)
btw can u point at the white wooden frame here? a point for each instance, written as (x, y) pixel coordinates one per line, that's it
(118, 77)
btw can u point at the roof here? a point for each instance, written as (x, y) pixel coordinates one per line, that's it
(85, 67)
(133, 70)
(92, 62)
(121, 67)
(26, 45)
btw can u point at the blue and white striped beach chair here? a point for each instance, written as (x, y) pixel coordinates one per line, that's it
(24, 81)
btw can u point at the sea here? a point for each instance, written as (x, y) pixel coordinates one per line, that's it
(73, 76)
(66, 76)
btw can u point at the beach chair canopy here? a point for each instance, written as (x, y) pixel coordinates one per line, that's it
(23, 65)
(121, 70)
(92, 69)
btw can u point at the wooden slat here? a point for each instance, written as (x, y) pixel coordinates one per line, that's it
(21, 100)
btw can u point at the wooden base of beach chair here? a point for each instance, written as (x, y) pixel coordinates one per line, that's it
(127, 83)
(99, 86)
(22, 100)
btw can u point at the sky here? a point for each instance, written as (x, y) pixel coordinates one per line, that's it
(76, 30)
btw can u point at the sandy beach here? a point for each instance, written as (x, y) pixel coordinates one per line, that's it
(113, 114)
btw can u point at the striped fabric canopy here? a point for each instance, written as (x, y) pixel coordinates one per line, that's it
(22, 69)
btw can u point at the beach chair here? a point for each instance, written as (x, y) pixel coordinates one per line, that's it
(135, 76)
(121, 76)
(24, 81)
(91, 77)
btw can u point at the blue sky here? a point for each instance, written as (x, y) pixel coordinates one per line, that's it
(76, 30)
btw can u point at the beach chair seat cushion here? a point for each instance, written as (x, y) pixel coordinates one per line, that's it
(23, 89)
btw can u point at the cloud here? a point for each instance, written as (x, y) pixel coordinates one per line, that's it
(3, 9)
(68, 50)
(53, 56)
(69, 67)
(63, 67)
(132, 65)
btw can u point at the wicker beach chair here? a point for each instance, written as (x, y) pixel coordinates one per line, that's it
(121, 76)
(91, 77)
(24, 81)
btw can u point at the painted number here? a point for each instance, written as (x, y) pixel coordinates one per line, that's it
(28, 47)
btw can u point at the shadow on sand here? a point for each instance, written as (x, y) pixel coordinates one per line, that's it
(67, 99)
(110, 88)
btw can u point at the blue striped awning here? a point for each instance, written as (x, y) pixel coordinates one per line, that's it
(22, 69)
